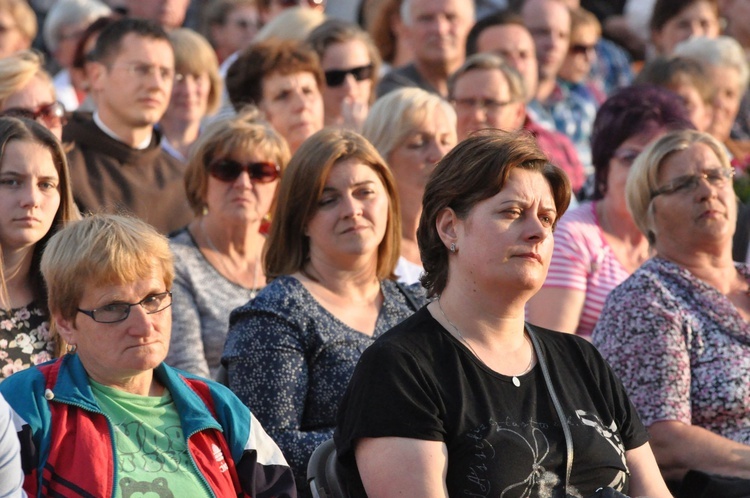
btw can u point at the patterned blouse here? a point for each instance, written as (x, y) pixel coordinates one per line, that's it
(290, 360)
(681, 349)
(24, 339)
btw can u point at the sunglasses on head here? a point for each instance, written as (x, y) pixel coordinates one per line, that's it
(228, 170)
(51, 115)
(336, 77)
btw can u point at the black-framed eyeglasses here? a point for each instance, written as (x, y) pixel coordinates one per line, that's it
(228, 170)
(490, 106)
(117, 312)
(51, 115)
(336, 77)
(687, 183)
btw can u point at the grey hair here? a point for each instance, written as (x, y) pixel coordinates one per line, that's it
(723, 51)
(70, 12)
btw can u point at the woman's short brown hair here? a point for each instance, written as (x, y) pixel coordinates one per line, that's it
(245, 76)
(475, 170)
(246, 131)
(287, 249)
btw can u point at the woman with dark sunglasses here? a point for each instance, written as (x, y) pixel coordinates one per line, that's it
(351, 65)
(331, 253)
(231, 182)
(26, 91)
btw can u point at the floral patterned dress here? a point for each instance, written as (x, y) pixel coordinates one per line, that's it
(24, 339)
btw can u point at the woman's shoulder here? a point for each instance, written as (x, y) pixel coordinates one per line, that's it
(184, 249)
(581, 217)
(284, 295)
(414, 295)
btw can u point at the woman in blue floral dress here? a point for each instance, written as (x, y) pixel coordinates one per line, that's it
(35, 200)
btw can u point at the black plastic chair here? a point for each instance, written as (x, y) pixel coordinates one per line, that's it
(322, 473)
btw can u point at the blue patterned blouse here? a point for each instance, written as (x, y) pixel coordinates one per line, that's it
(290, 360)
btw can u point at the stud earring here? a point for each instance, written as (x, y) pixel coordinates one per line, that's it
(453, 247)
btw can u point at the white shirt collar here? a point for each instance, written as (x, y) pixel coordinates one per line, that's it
(106, 129)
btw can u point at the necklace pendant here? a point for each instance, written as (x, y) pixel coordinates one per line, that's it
(516, 382)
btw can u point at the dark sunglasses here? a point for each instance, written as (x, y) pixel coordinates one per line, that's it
(295, 3)
(228, 170)
(335, 77)
(51, 115)
(581, 49)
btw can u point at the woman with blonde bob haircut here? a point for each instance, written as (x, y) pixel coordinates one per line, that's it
(110, 279)
(26, 91)
(196, 92)
(412, 129)
(231, 183)
(330, 256)
(676, 331)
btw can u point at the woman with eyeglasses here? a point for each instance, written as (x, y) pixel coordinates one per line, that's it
(597, 244)
(109, 418)
(35, 201)
(677, 332)
(196, 92)
(332, 248)
(351, 65)
(26, 91)
(231, 182)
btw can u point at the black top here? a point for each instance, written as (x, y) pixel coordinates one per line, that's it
(417, 381)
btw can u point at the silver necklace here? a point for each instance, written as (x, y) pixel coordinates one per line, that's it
(224, 271)
(514, 378)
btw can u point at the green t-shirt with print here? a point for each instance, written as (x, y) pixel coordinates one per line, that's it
(151, 450)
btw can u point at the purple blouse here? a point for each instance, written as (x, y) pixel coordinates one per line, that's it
(681, 349)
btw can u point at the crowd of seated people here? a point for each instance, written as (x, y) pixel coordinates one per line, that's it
(458, 238)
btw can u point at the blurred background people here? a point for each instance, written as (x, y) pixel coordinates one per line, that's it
(435, 30)
(597, 245)
(726, 64)
(102, 411)
(231, 25)
(270, 9)
(169, 14)
(196, 92)
(231, 182)
(26, 90)
(385, 27)
(331, 251)
(675, 21)
(64, 25)
(283, 79)
(412, 129)
(35, 201)
(81, 70)
(688, 79)
(351, 69)
(18, 26)
(676, 331)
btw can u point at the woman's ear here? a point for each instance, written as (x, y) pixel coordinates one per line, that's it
(66, 328)
(446, 223)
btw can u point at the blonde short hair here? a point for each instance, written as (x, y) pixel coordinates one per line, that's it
(23, 15)
(17, 70)
(394, 115)
(193, 54)
(642, 178)
(101, 249)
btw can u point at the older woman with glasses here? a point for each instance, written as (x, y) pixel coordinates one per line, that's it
(677, 332)
(26, 91)
(351, 65)
(110, 418)
(231, 183)
(597, 245)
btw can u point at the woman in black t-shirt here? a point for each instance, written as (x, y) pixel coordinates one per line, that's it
(452, 401)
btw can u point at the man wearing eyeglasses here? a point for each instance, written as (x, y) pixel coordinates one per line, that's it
(117, 163)
(436, 32)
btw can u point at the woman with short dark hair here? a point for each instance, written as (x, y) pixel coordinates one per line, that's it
(465, 397)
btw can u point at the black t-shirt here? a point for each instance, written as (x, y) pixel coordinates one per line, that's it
(417, 381)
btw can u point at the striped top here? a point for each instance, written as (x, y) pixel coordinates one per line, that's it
(584, 261)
